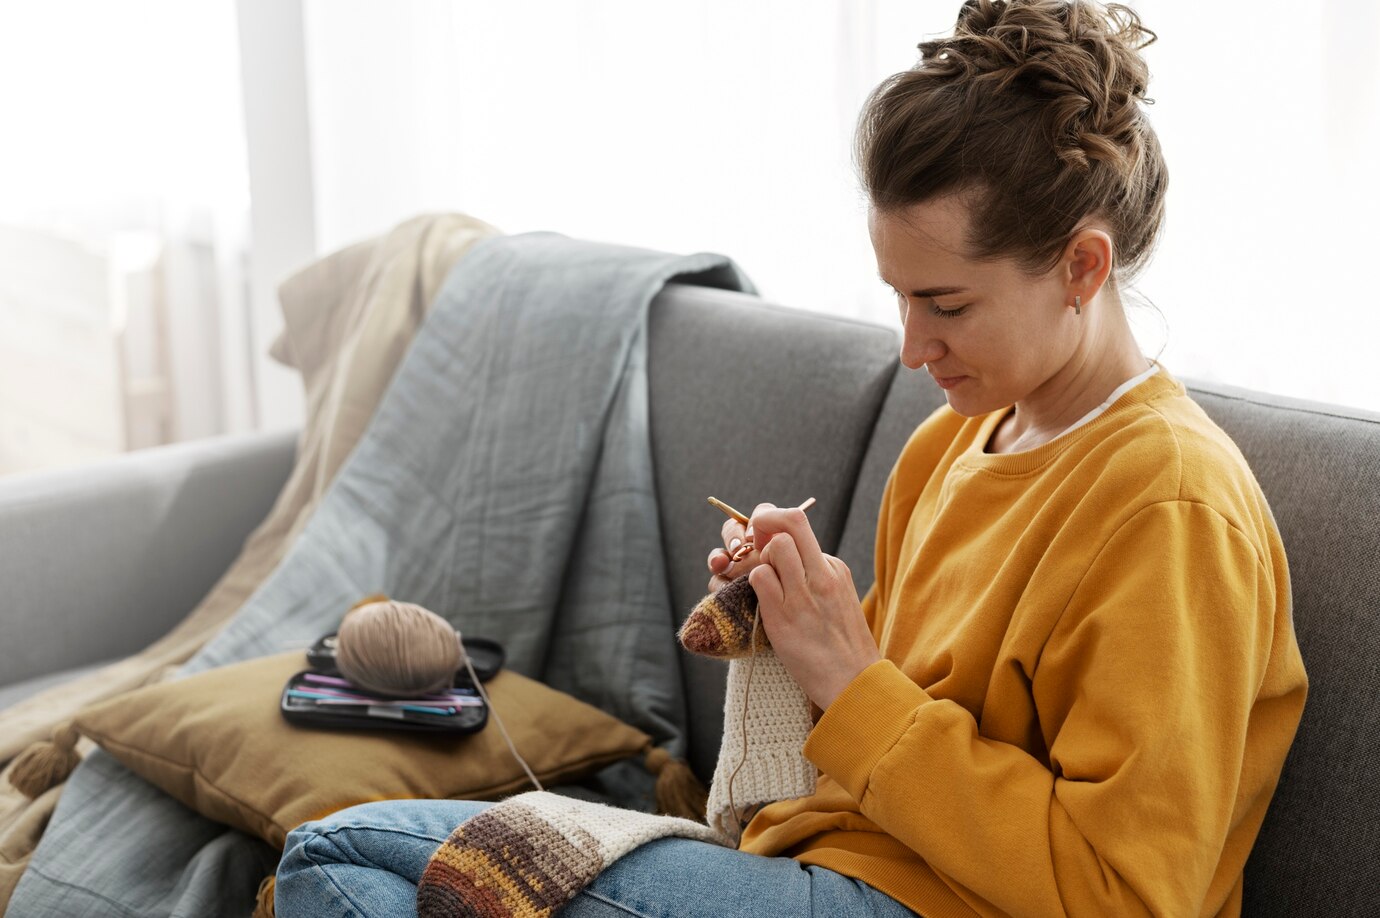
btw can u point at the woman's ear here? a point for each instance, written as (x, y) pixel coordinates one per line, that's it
(1087, 263)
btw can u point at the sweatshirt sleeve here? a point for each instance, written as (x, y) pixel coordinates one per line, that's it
(1143, 692)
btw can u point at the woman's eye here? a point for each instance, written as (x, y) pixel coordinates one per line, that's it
(903, 306)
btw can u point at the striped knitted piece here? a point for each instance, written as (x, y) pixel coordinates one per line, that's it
(531, 854)
(721, 625)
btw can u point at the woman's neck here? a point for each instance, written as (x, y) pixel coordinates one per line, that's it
(1093, 372)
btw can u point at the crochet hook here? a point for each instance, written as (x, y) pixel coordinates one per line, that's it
(741, 517)
(745, 548)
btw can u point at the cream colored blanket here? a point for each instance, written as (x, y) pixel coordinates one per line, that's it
(348, 320)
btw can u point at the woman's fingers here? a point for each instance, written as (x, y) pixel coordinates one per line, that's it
(735, 558)
(725, 568)
(719, 561)
(767, 523)
(743, 549)
(718, 582)
(784, 557)
(723, 578)
(842, 572)
(767, 585)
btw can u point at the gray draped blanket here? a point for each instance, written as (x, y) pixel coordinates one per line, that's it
(505, 482)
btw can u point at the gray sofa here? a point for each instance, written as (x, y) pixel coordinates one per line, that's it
(97, 561)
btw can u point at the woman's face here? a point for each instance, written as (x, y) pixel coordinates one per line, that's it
(990, 334)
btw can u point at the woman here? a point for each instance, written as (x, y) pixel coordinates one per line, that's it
(1073, 684)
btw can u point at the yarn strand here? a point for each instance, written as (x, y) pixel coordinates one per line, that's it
(498, 718)
(742, 727)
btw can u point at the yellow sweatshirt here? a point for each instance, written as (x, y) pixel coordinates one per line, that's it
(1090, 679)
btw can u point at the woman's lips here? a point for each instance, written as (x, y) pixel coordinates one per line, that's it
(948, 382)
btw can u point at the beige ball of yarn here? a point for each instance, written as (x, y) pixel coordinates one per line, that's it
(397, 648)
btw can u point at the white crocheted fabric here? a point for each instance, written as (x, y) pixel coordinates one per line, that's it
(777, 725)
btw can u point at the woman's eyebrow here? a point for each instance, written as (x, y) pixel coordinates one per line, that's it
(929, 291)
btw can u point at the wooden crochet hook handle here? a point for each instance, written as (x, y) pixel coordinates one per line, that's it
(736, 514)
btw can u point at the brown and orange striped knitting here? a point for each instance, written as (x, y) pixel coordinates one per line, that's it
(722, 624)
(531, 854)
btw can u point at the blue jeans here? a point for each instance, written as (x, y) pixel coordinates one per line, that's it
(366, 861)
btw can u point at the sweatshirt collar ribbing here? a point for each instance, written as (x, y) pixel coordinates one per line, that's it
(1157, 386)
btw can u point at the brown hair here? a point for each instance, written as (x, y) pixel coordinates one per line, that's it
(1030, 109)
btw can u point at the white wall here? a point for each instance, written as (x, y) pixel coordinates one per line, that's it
(1269, 115)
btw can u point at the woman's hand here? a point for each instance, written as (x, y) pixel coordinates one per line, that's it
(722, 568)
(809, 606)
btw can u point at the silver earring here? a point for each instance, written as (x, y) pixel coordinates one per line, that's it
(1078, 305)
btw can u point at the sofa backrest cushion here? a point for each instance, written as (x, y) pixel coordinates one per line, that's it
(1319, 466)
(751, 402)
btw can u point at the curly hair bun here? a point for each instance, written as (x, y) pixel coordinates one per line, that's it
(1083, 58)
(1036, 104)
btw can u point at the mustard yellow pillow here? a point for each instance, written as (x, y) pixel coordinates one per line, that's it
(216, 742)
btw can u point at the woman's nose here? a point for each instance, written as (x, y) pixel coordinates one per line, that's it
(918, 347)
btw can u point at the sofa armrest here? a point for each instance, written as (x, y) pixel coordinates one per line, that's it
(99, 560)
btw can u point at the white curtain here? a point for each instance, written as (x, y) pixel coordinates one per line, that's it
(726, 125)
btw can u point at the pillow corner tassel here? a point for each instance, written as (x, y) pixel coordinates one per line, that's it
(263, 902)
(678, 790)
(46, 763)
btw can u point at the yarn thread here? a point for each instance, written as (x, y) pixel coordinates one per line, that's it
(469, 667)
(742, 724)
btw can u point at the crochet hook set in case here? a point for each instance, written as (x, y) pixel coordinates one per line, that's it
(322, 697)
(314, 699)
